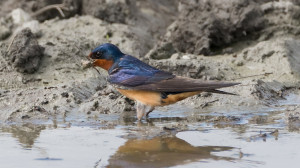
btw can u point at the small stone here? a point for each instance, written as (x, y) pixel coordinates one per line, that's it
(33, 26)
(112, 96)
(25, 117)
(240, 63)
(19, 16)
(65, 94)
(95, 105)
(44, 102)
(186, 57)
(55, 107)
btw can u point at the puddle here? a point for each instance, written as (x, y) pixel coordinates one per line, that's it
(30, 145)
(62, 147)
(180, 138)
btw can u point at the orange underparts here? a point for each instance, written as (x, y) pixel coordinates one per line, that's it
(103, 63)
(152, 98)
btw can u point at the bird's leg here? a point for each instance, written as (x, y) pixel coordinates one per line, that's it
(140, 110)
(150, 110)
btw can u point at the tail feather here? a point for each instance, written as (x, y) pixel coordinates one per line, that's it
(221, 92)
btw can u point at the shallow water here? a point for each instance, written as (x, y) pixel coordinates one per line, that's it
(172, 138)
(43, 146)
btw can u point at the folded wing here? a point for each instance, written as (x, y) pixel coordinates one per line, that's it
(131, 73)
(183, 84)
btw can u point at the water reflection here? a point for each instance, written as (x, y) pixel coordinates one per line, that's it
(163, 152)
(26, 134)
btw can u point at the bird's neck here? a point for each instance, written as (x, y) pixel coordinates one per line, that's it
(103, 63)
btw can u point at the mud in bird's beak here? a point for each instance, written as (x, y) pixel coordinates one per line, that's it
(91, 60)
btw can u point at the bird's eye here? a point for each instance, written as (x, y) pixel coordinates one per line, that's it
(99, 54)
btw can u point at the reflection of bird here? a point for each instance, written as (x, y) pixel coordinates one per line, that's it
(145, 84)
(164, 152)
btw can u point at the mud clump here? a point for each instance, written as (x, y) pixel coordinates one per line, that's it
(25, 53)
(117, 11)
(269, 91)
(204, 26)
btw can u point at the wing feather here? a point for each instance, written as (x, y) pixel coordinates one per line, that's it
(131, 72)
(183, 84)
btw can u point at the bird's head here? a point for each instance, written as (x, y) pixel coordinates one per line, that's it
(105, 55)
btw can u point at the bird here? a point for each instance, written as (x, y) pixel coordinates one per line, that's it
(147, 85)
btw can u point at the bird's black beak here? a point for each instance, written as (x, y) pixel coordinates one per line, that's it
(91, 59)
(90, 55)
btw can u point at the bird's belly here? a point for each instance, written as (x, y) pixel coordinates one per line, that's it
(150, 98)
(153, 98)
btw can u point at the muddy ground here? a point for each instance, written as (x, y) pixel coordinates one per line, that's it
(43, 76)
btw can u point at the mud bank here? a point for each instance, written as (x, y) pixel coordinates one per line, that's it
(244, 40)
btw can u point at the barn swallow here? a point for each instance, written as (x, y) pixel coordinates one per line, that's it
(147, 85)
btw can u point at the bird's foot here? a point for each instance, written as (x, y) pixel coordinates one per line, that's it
(150, 110)
(140, 110)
